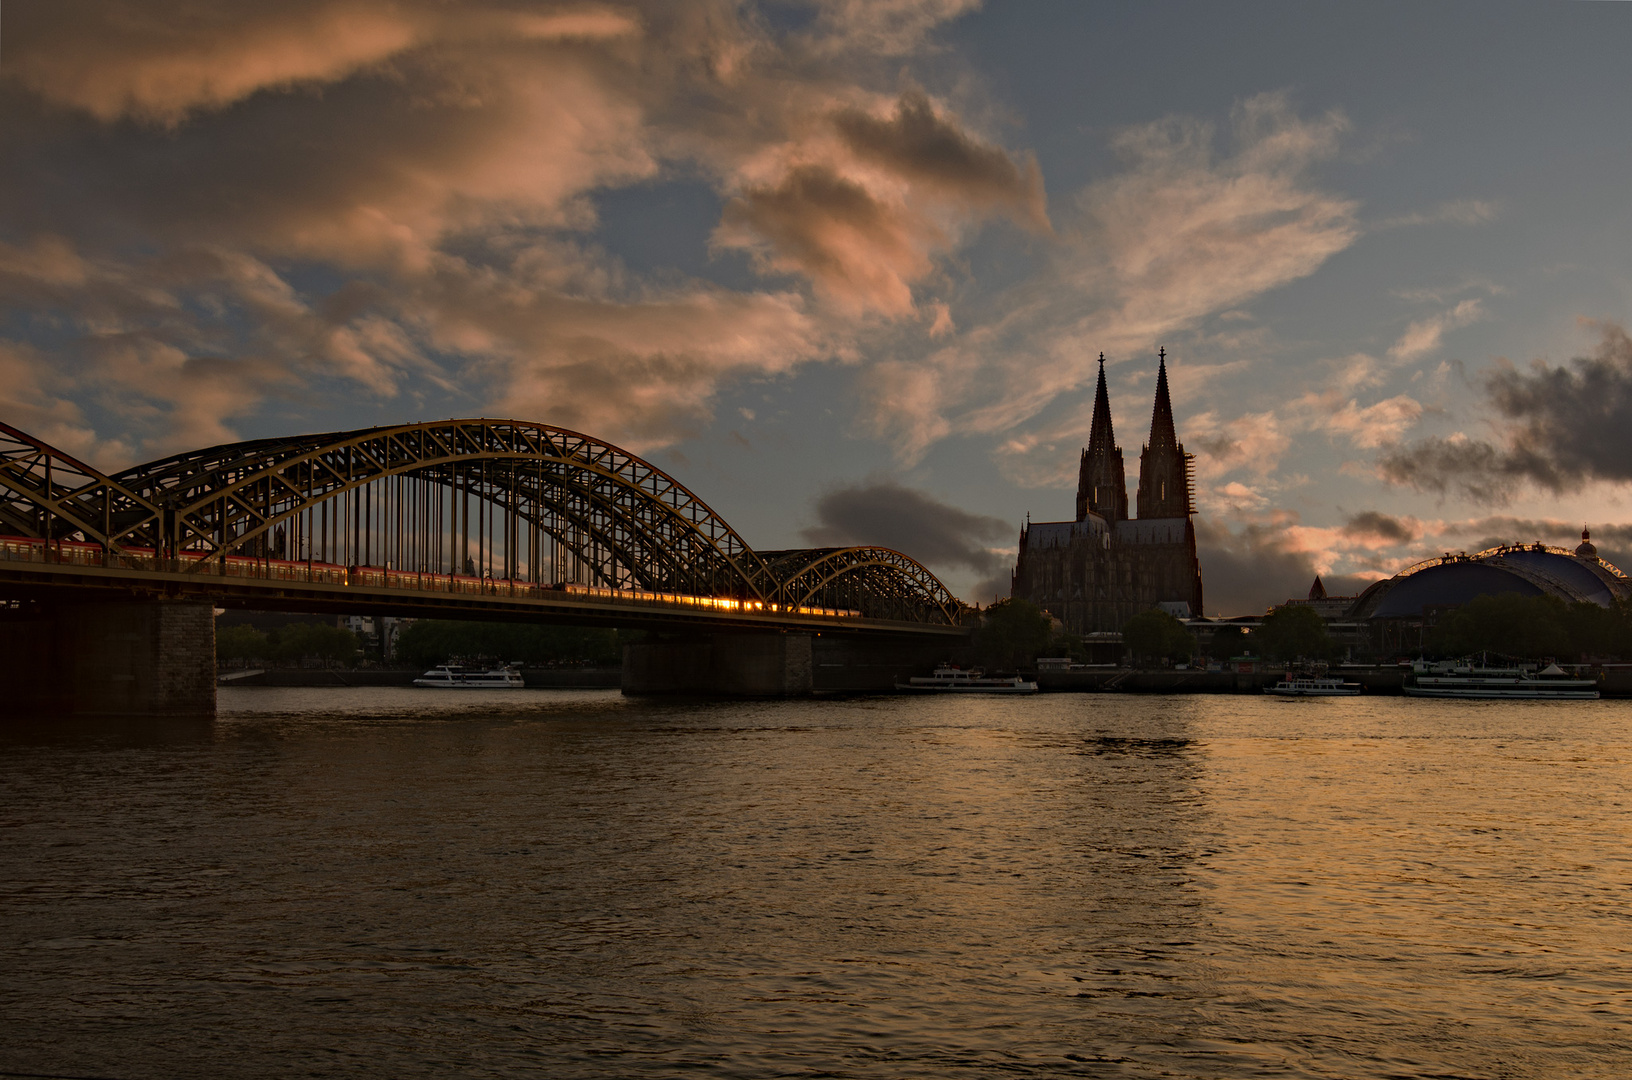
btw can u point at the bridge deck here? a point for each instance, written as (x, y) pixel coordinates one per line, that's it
(33, 567)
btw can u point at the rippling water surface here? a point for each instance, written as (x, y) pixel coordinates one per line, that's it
(400, 883)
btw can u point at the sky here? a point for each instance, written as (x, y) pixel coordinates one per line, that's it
(844, 268)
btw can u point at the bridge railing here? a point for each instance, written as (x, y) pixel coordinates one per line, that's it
(78, 553)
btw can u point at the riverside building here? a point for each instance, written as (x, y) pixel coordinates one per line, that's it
(1099, 570)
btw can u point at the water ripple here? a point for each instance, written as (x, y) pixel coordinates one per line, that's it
(388, 883)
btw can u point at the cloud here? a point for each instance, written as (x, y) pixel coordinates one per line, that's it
(1185, 235)
(202, 56)
(376, 203)
(1371, 524)
(1367, 427)
(1178, 234)
(1254, 442)
(1236, 496)
(645, 369)
(1557, 427)
(138, 352)
(1423, 336)
(864, 215)
(31, 399)
(1452, 212)
(885, 27)
(933, 152)
(886, 514)
(860, 251)
(1264, 563)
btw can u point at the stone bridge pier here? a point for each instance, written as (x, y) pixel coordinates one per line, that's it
(108, 657)
(772, 664)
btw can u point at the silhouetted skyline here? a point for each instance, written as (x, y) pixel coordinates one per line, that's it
(845, 269)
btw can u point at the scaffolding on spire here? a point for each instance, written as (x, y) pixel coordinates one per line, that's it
(1166, 472)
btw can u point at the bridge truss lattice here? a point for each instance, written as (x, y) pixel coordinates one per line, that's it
(492, 499)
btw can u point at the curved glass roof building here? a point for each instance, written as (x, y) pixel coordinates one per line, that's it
(1529, 570)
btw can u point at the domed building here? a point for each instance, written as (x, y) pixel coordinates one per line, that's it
(1399, 605)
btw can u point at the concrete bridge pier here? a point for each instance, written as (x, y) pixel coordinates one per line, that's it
(135, 657)
(770, 664)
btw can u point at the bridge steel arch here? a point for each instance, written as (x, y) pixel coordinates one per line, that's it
(494, 498)
(47, 493)
(894, 584)
(614, 520)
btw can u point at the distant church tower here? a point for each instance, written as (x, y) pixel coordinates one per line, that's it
(1164, 467)
(1102, 488)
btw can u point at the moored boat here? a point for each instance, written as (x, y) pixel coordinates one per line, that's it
(1313, 686)
(459, 677)
(955, 680)
(1465, 679)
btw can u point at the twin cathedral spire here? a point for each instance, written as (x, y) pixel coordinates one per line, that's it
(1165, 482)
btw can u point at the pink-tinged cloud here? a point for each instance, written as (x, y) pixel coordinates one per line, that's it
(1254, 442)
(158, 62)
(859, 251)
(884, 27)
(436, 167)
(1367, 427)
(862, 205)
(1424, 335)
(940, 159)
(643, 368)
(1179, 234)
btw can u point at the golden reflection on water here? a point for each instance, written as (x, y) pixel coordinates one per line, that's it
(574, 884)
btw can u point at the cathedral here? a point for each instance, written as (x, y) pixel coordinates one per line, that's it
(1096, 572)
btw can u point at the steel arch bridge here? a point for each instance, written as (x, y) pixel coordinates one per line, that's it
(477, 508)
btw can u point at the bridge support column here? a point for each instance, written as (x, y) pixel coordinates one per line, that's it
(873, 665)
(730, 665)
(120, 657)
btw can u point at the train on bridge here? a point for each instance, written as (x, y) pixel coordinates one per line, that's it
(79, 553)
(457, 518)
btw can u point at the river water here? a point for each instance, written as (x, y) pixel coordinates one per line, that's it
(404, 883)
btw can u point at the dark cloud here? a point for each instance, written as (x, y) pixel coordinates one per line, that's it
(1559, 428)
(1382, 526)
(889, 515)
(933, 151)
(1248, 572)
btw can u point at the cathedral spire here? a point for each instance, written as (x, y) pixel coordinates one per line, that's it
(1099, 432)
(1161, 416)
(1102, 487)
(1164, 467)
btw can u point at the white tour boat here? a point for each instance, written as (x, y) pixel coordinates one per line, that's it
(456, 677)
(953, 680)
(1465, 679)
(1313, 686)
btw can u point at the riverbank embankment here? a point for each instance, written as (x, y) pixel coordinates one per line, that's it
(1613, 682)
(544, 678)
